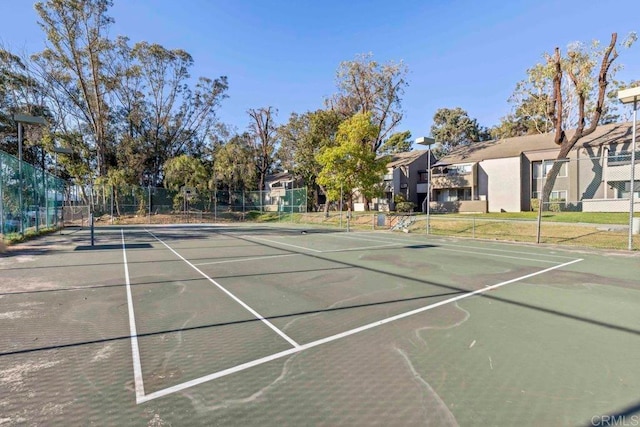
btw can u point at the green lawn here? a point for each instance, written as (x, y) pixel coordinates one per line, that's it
(621, 218)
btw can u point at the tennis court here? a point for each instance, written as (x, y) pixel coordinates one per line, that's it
(267, 325)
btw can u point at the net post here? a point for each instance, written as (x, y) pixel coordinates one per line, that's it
(91, 228)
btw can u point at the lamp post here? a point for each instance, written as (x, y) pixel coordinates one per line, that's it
(21, 120)
(631, 96)
(429, 142)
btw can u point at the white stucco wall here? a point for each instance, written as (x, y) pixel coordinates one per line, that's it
(499, 180)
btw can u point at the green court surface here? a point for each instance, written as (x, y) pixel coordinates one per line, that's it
(259, 325)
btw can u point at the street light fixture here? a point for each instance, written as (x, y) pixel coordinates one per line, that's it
(631, 96)
(429, 142)
(21, 120)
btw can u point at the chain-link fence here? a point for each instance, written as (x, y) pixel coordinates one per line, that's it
(152, 204)
(29, 197)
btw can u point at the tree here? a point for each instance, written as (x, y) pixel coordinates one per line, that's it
(21, 92)
(581, 105)
(264, 141)
(366, 86)
(301, 139)
(528, 118)
(350, 165)
(185, 171)
(399, 142)
(234, 167)
(74, 66)
(453, 128)
(160, 113)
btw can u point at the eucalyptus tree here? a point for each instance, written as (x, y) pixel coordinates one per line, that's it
(368, 87)
(73, 65)
(528, 117)
(21, 92)
(264, 141)
(161, 114)
(572, 90)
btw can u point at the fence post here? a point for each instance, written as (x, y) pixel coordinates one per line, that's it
(111, 204)
(149, 203)
(474, 227)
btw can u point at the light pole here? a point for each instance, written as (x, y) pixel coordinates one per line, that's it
(22, 119)
(429, 142)
(631, 96)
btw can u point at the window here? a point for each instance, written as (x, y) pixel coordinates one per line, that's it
(555, 195)
(423, 176)
(620, 157)
(454, 194)
(460, 169)
(538, 172)
(623, 190)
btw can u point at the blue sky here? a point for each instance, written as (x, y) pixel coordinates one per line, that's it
(285, 54)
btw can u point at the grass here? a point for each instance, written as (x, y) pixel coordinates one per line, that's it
(619, 218)
(14, 238)
(562, 228)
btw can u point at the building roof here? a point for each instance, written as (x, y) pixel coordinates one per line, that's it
(406, 158)
(513, 147)
(279, 176)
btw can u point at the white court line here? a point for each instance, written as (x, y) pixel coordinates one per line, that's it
(477, 252)
(135, 351)
(235, 298)
(483, 248)
(244, 366)
(247, 259)
(362, 248)
(281, 243)
(275, 242)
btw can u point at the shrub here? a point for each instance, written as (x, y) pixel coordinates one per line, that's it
(405, 206)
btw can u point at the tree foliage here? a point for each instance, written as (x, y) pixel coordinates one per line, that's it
(73, 65)
(576, 89)
(135, 105)
(350, 165)
(233, 165)
(399, 142)
(368, 87)
(301, 139)
(452, 127)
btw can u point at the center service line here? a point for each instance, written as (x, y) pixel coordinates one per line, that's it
(247, 365)
(135, 351)
(235, 298)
